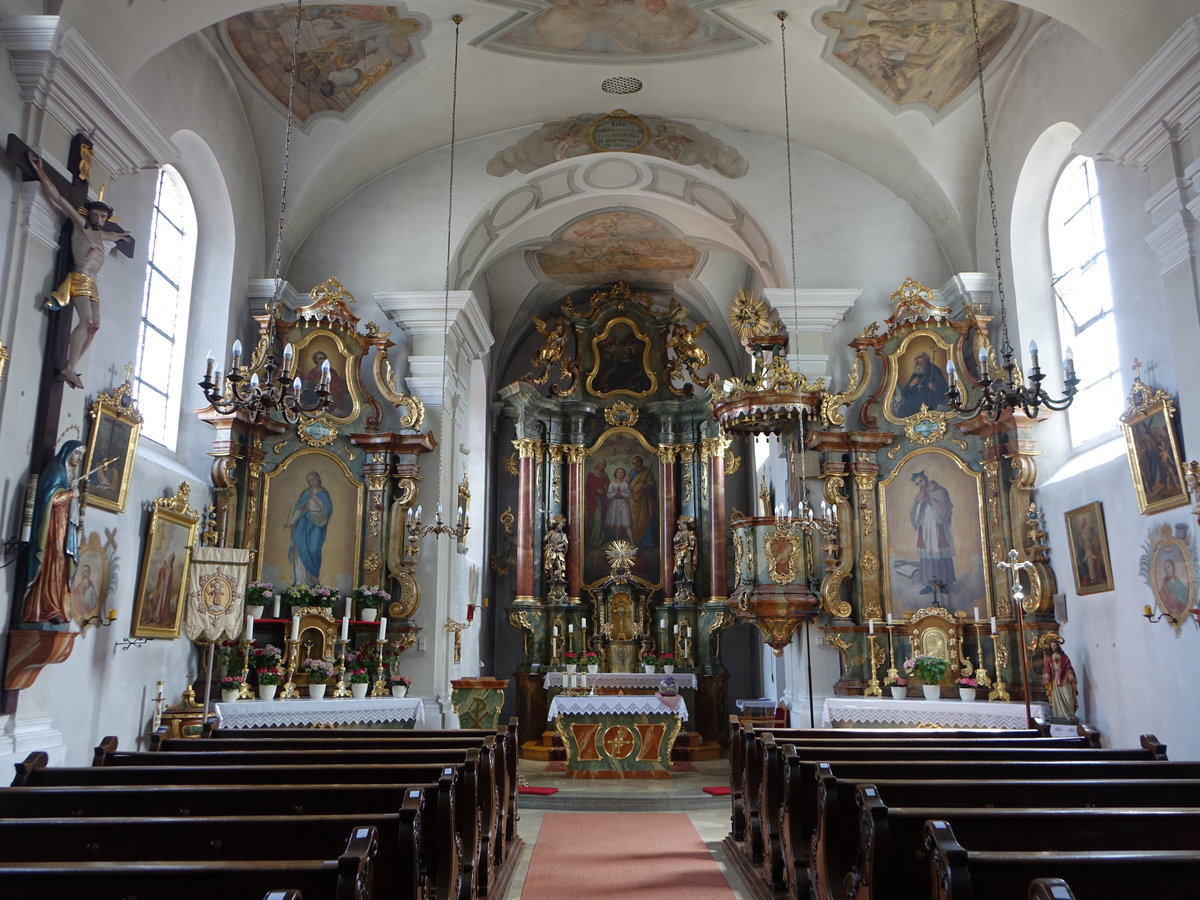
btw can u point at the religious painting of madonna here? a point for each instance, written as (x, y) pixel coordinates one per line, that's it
(162, 582)
(620, 502)
(311, 523)
(621, 361)
(933, 534)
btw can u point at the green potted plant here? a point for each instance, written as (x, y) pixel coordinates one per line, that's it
(929, 669)
(258, 595)
(319, 671)
(367, 600)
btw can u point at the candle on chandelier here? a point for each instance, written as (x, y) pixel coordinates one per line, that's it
(112, 615)
(1146, 611)
(325, 374)
(237, 354)
(950, 372)
(1069, 363)
(249, 636)
(209, 362)
(383, 628)
(295, 628)
(1033, 354)
(345, 628)
(254, 382)
(296, 384)
(288, 350)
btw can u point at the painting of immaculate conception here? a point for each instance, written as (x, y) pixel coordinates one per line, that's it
(917, 53)
(607, 30)
(933, 534)
(344, 52)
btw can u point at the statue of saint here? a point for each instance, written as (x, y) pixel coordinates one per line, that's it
(1058, 678)
(685, 550)
(554, 551)
(54, 543)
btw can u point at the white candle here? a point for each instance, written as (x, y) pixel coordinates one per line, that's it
(349, 607)
(889, 618)
(993, 624)
(870, 626)
(675, 629)
(275, 611)
(295, 628)
(383, 628)
(582, 679)
(249, 628)
(662, 624)
(583, 624)
(556, 631)
(345, 628)
(976, 615)
(571, 628)
(689, 631)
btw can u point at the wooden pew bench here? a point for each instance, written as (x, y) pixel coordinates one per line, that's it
(831, 852)
(224, 838)
(892, 865)
(958, 872)
(440, 863)
(344, 877)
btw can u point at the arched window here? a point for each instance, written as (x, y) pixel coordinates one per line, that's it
(165, 303)
(1083, 295)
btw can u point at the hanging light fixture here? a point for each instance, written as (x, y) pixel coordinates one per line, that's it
(240, 389)
(415, 527)
(1013, 390)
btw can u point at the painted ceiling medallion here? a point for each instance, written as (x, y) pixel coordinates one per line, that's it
(604, 31)
(917, 54)
(617, 246)
(345, 53)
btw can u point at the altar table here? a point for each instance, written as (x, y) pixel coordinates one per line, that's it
(398, 712)
(618, 736)
(874, 712)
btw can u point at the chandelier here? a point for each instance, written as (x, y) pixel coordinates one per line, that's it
(414, 527)
(240, 389)
(1012, 390)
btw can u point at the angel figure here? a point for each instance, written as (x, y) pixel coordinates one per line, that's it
(688, 356)
(551, 353)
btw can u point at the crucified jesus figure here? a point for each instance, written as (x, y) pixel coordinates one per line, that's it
(88, 240)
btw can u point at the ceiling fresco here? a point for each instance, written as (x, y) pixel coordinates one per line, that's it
(608, 30)
(617, 246)
(916, 54)
(345, 52)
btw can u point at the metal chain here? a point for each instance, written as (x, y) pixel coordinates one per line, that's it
(1005, 346)
(457, 19)
(287, 153)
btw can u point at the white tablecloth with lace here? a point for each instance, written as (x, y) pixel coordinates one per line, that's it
(328, 711)
(614, 705)
(618, 680)
(946, 713)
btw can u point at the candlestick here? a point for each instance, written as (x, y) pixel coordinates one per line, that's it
(892, 673)
(290, 691)
(342, 689)
(999, 689)
(981, 672)
(874, 659)
(244, 692)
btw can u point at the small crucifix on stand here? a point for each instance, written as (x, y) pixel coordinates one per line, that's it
(1018, 596)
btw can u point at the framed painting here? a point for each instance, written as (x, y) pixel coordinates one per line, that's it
(162, 582)
(1169, 567)
(312, 351)
(112, 447)
(1154, 458)
(621, 361)
(933, 534)
(620, 502)
(312, 514)
(1089, 549)
(917, 377)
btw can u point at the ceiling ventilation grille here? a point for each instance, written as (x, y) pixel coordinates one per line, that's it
(621, 84)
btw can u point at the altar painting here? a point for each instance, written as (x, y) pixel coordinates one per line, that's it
(917, 376)
(313, 350)
(312, 514)
(620, 502)
(933, 534)
(621, 361)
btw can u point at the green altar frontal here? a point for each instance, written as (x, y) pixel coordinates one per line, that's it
(618, 743)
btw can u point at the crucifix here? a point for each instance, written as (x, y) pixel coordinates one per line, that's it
(1018, 595)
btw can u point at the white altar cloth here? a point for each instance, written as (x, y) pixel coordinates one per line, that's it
(616, 705)
(342, 711)
(945, 713)
(635, 680)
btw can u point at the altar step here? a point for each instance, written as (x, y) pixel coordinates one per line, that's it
(682, 792)
(540, 750)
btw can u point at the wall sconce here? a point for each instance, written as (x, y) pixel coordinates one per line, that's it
(1163, 615)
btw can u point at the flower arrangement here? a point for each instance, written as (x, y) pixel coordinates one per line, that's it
(667, 659)
(968, 683)
(370, 596)
(266, 656)
(401, 680)
(570, 657)
(269, 675)
(591, 657)
(232, 682)
(649, 658)
(229, 657)
(259, 593)
(929, 669)
(358, 676)
(896, 680)
(319, 671)
(310, 595)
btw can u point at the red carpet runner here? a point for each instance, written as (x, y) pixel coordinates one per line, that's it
(608, 855)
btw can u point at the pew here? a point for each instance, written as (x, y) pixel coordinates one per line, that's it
(765, 794)
(344, 877)
(891, 863)
(957, 872)
(440, 862)
(832, 850)
(223, 838)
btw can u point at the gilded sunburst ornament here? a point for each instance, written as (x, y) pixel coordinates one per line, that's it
(749, 316)
(620, 557)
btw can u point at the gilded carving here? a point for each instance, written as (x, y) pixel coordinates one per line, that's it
(959, 443)
(318, 432)
(856, 384)
(733, 463)
(529, 448)
(373, 522)
(870, 562)
(576, 453)
(783, 551)
(665, 454)
(372, 562)
(278, 446)
(621, 413)
(510, 465)
(376, 482)
(556, 486)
